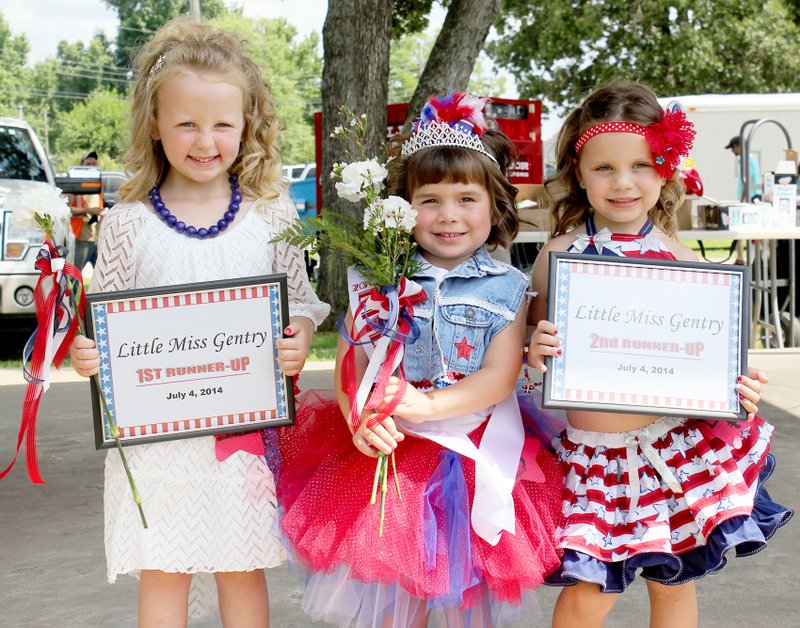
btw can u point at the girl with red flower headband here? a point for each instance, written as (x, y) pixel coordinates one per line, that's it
(631, 503)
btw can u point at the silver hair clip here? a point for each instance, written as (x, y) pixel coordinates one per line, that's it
(156, 67)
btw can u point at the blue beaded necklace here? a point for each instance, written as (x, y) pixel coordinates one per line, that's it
(203, 232)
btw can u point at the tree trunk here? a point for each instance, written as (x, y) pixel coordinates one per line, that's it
(456, 49)
(355, 74)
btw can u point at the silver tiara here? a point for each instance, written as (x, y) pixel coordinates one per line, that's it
(442, 134)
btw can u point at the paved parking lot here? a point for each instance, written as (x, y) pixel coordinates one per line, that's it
(51, 538)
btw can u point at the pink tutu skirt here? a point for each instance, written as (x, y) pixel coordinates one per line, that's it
(429, 558)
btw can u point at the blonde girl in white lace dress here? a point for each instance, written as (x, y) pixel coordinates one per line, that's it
(203, 202)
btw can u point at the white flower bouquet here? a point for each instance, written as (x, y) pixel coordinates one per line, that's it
(381, 249)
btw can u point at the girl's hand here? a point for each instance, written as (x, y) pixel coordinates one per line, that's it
(382, 437)
(544, 341)
(84, 356)
(414, 407)
(749, 388)
(293, 349)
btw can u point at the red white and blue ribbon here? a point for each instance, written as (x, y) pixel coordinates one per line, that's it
(383, 318)
(383, 323)
(57, 323)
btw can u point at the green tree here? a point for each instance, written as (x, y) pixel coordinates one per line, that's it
(13, 73)
(560, 50)
(356, 75)
(408, 56)
(292, 67)
(406, 62)
(99, 123)
(139, 19)
(84, 68)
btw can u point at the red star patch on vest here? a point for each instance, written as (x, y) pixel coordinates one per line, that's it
(464, 349)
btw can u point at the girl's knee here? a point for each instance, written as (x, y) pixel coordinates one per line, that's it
(658, 591)
(584, 603)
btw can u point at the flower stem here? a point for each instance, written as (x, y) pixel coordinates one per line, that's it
(385, 472)
(378, 468)
(111, 422)
(396, 481)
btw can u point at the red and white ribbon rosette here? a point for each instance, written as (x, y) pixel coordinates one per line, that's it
(49, 344)
(382, 321)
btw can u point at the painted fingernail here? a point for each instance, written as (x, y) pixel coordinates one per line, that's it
(739, 379)
(558, 352)
(288, 330)
(555, 332)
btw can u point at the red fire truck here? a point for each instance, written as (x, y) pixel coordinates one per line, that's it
(521, 120)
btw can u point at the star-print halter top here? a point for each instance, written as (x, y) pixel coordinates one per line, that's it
(644, 244)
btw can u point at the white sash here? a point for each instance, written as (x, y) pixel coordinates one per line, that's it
(496, 459)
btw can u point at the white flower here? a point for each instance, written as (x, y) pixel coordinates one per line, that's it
(393, 212)
(398, 214)
(45, 202)
(360, 179)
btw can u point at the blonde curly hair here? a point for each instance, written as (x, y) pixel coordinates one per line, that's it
(181, 46)
(623, 101)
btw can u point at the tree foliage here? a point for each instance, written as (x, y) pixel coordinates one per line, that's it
(84, 68)
(139, 19)
(13, 54)
(408, 57)
(560, 50)
(292, 67)
(457, 47)
(100, 123)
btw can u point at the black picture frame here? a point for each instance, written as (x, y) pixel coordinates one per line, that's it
(212, 342)
(625, 325)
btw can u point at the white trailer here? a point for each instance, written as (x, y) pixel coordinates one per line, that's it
(718, 117)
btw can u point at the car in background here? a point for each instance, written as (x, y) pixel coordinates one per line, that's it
(111, 184)
(299, 172)
(23, 167)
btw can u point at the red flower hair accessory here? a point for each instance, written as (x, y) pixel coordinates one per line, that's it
(670, 140)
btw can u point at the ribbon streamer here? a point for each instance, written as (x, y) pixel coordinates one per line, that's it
(384, 318)
(49, 344)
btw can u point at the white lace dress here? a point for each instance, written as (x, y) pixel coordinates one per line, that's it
(203, 515)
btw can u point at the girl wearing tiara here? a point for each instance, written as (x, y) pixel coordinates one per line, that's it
(667, 496)
(467, 539)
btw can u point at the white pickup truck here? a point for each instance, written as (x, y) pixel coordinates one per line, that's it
(23, 167)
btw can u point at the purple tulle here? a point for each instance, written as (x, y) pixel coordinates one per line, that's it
(541, 424)
(447, 496)
(272, 452)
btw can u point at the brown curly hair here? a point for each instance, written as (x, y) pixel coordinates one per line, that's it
(461, 165)
(623, 101)
(181, 46)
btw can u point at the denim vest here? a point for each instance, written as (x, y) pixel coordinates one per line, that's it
(458, 320)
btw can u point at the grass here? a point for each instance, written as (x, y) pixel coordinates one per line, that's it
(323, 346)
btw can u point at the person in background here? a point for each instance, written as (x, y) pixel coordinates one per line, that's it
(735, 146)
(86, 212)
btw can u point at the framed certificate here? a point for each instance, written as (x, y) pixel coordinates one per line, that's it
(647, 336)
(190, 360)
